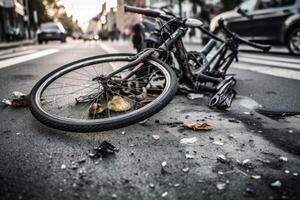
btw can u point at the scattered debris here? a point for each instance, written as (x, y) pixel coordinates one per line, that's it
(155, 137)
(176, 185)
(151, 185)
(96, 108)
(6, 102)
(295, 174)
(143, 122)
(114, 196)
(220, 172)
(123, 132)
(118, 104)
(18, 133)
(19, 99)
(189, 156)
(163, 167)
(283, 159)
(221, 158)
(104, 149)
(81, 160)
(256, 177)
(221, 186)
(193, 96)
(187, 141)
(218, 143)
(276, 184)
(286, 171)
(231, 136)
(164, 194)
(197, 126)
(247, 113)
(186, 170)
(246, 161)
(291, 131)
(63, 166)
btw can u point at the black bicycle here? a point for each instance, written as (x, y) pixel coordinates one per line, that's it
(116, 90)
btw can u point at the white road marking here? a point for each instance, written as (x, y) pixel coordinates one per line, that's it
(279, 72)
(11, 55)
(271, 58)
(258, 60)
(21, 59)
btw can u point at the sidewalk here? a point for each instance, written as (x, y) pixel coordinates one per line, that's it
(7, 45)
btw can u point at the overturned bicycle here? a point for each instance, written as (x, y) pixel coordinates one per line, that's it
(116, 90)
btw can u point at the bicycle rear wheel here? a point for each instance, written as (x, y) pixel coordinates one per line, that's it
(83, 97)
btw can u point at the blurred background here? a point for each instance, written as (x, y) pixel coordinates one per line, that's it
(93, 19)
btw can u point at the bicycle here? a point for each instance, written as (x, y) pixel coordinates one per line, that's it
(116, 90)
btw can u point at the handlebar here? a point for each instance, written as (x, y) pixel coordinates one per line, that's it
(147, 12)
(158, 14)
(265, 48)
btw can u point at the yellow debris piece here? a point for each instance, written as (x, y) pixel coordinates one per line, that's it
(118, 104)
(96, 108)
(197, 126)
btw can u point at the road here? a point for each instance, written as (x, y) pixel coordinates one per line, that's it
(38, 162)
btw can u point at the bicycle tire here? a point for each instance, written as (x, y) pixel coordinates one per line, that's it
(79, 126)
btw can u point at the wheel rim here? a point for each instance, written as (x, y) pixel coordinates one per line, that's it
(84, 112)
(294, 42)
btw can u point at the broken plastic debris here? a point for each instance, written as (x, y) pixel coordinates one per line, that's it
(6, 102)
(221, 158)
(18, 133)
(247, 113)
(155, 137)
(118, 104)
(283, 159)
(186, 170)
(221, 186)
(218, 143)
(256, 177)
(286, 171)
(114, 196)
(164, 163)
(193, 96)
(246, 161)
(295, 174)
(176, 185)
(123, 132)
(18, 94)
(104, 149)
(276, 184)
(96, 108)
(189, 156)
(191, 140)
(197, 126)
(63, 166)
(151, 185)
(164, 194)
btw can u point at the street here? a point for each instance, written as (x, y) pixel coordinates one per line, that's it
(247, 155)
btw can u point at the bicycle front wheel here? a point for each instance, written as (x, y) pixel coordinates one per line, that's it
(87, 96)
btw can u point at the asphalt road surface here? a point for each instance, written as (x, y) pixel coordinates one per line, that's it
(246, 156)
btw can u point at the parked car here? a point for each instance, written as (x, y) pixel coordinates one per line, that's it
(265, 21)
(51, 31)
